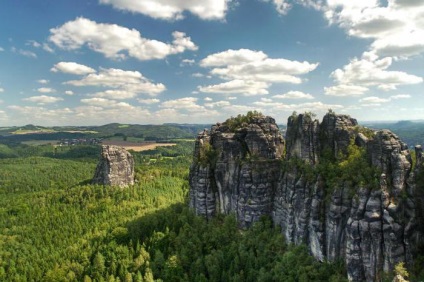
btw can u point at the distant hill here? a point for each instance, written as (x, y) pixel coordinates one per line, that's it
(411, 132)
(146, 132)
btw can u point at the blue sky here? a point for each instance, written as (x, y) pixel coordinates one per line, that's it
(189, 61)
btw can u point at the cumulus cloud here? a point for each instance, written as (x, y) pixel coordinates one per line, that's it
(148, 101)
(218, 104)
(316, 107)
(43, 81)
(88, 114)
(400, 96)
(116, 42)
(370, 71)
(188, 103)
(233, 57)
(294, 95)
(171, 9)
(1, 90)
(247, 88)
(252, 72)
(187, 62)
(343, 90)
(373, 101)
(72, 68)
(282, 6)
(46, 90)
(397, 28)
(105, 103)
(124, 84)
(69, 92)
(43, 99)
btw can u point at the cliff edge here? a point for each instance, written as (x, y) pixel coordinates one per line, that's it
(345, 191)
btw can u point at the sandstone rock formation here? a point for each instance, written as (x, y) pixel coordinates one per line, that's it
(344, 191)
(115, 167)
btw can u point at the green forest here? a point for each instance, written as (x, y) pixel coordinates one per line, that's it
(56, 226)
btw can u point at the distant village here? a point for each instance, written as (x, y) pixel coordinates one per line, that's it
(80, 141)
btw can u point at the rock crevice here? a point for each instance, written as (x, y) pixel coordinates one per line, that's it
(346, 192)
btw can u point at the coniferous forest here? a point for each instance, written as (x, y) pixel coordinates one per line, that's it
(56, 226)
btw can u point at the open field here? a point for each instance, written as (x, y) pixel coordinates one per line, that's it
(138, 147)
(40, 142)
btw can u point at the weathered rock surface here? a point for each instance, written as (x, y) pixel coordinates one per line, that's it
(241, 176)
(115, 167)
(371, 226)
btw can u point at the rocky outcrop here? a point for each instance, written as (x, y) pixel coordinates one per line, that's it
(236, 170)
(346, 192)
(115, 167)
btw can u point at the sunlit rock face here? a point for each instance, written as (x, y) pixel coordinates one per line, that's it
(115, 167)
(240, 171)
(370, 223)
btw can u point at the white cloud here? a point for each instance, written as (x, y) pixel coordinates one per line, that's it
(233, 57)
(116, 42)
(247, 88)
(400, 96)
(401, 44)
(43, 99)
(188, 62)
(43, 81)
(125, 84)
(252, 72)
(25, 53)
(33, 43)
(106, 103)
(187, 103)
(118, 94)
(197, 74)
(1, 90)
(282, 6)
(397, 28)
(171, 9)
(371, 71)
(148, 101)
(302, 107)
(69, 92)
(373, 101)
(208, 99)
(343, 90)
(218, 104)
(47, 48)
(46, 90)
(72, 68)
(36, 44)
(294, 95)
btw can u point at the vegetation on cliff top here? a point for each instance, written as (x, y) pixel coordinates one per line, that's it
(240, 121)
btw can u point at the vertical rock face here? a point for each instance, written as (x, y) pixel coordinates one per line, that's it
(346, 192)
(236, 170)
(302, 138)
(115, 167)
